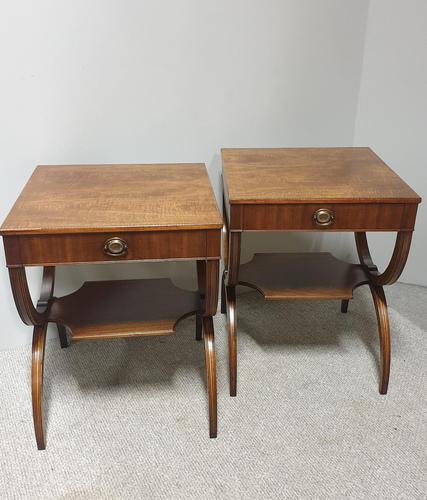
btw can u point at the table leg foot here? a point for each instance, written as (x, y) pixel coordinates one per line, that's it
(210, 360)
(199, 326)
(232, 337)
(380, 304)
(344, 305)
(39, 341)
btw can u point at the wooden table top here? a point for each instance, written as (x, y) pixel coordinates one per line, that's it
(97, 198)
(307, 175)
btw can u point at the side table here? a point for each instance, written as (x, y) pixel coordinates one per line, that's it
(115, 213)
(313, 189)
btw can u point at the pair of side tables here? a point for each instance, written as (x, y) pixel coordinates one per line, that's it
(121, 213)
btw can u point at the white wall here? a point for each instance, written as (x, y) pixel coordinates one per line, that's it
(157, 81)
(392, 112)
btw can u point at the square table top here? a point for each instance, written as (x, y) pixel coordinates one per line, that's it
(97, 198)
(311, 175)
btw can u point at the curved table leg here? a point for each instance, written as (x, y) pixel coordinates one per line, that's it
(29, 314)
(46, 294)
(344, 305)
(39, 341)
(232, 337)
(232, 277)
(377, 280)
(397, 261)
(225, 250)
(380, 304)
(210, 361)
(37, 317)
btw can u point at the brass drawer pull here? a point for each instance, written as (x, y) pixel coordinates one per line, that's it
(323, 217)
(115, 247)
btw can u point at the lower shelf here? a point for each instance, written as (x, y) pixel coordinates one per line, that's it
(116, 309)
(302, 276)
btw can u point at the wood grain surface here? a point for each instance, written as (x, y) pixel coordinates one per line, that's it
(347, 217)
(59, 249)
(311, 175)
(115, 309)
(280, 276)
(92, 198)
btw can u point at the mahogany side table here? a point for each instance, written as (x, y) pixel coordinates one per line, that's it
(115, 213)
(313, 189)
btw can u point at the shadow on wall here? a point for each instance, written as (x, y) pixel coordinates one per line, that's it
(70, 278)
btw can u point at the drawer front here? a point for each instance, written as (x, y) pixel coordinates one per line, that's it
(111, 247)
(329, 217)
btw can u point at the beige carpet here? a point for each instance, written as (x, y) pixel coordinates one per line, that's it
(128, 419)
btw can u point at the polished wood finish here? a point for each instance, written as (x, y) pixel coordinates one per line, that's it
(99, 198)
(223, 298)
(225, 231)
(347, 217)
(47, 289)
(377, 280)
(230, 279)
(38, 317)
(397, 262)
(23, 301)
(284, 190)
(312, 175)
(225, 252)
(210, 303)
(235, 241)
(279, 276)
(380, 304)
(210, 362)
(67, 214)
(230, 294)
(37, 368)
(123, 308)
(35, 250)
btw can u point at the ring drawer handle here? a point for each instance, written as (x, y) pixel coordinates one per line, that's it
(323, 217)
(115, 247)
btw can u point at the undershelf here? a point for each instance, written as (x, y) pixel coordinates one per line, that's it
(301, 276)
(123, 308)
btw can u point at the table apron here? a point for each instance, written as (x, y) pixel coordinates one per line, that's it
(346, 217)
(57, 249)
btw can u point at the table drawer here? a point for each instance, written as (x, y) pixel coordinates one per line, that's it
(335, 217)
(111, 247)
